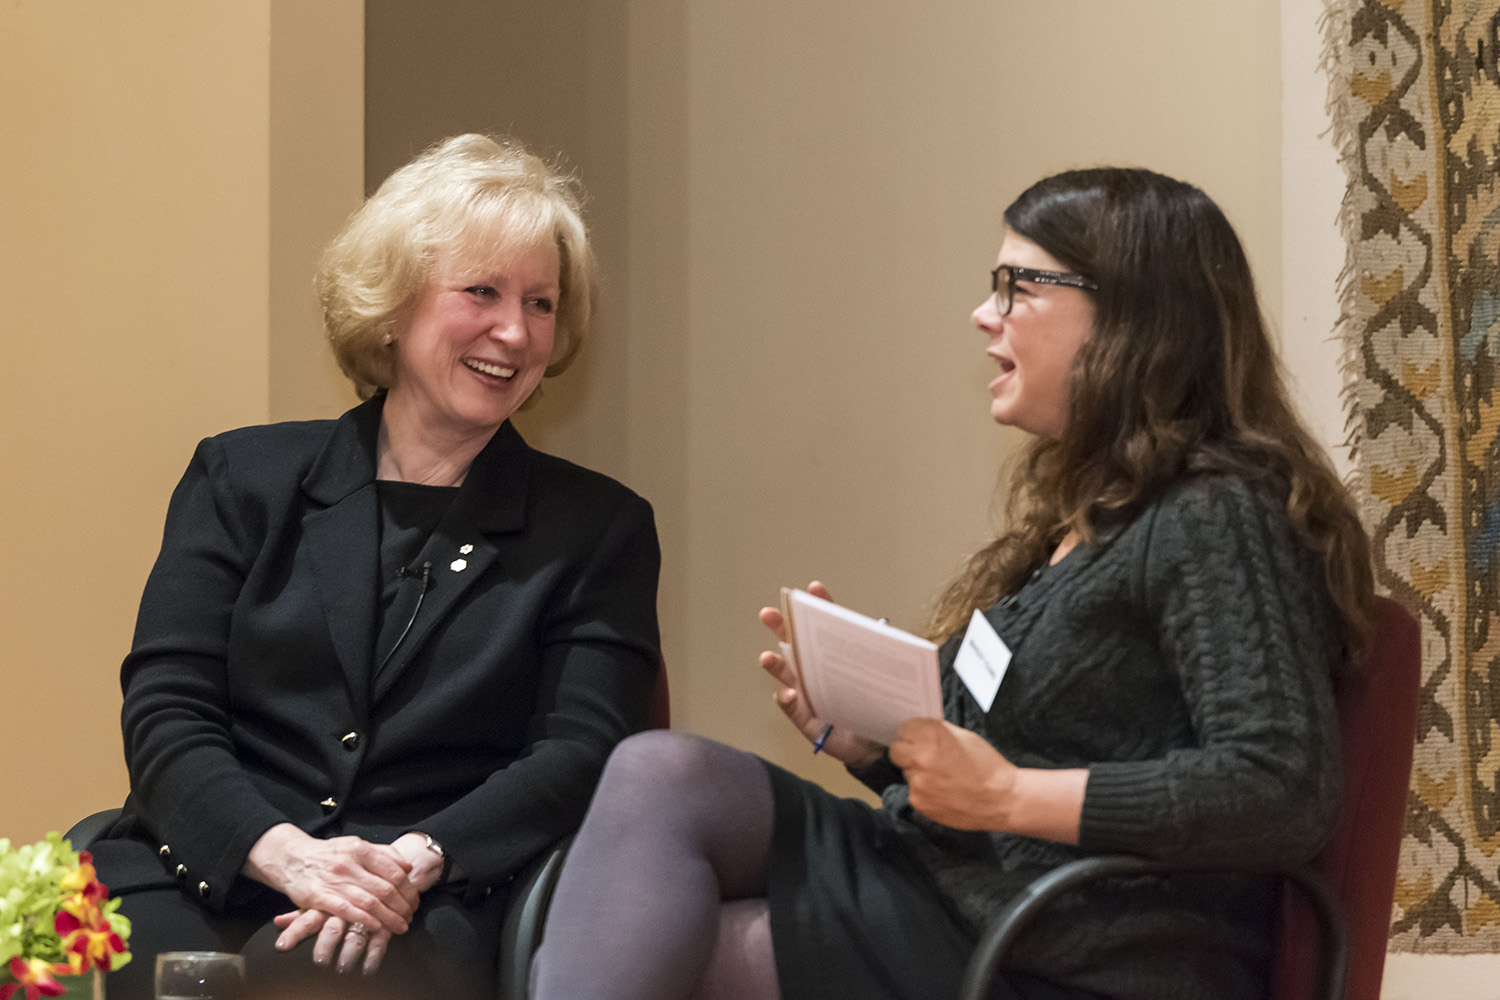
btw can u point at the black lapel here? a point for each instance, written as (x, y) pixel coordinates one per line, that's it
(341, 535)
(492, 501)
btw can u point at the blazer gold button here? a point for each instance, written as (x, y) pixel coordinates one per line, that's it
(350, 741)
(329, 804)
(203, 889)
(165, 852)
(182, 871)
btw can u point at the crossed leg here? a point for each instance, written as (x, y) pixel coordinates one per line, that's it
(663, 893)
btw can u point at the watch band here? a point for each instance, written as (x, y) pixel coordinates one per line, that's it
(437, 848)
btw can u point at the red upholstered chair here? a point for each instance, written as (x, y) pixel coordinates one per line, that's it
(1336, 921)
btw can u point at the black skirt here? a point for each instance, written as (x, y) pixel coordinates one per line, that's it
(854, 913)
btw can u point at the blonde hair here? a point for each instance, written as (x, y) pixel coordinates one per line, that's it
(467, 198)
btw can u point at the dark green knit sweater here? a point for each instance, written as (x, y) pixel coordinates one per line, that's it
(1186, 661)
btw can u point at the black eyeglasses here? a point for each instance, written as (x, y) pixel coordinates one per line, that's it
(1003, 283)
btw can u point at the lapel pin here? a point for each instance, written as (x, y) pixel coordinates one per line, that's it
(464, 550)
(459, 565)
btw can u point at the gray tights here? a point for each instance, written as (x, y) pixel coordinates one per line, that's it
(663, 893)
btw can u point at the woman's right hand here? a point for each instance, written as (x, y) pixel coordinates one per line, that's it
(345, 877)
(842, 745)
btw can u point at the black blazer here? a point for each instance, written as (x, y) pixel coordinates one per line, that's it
(249, 691)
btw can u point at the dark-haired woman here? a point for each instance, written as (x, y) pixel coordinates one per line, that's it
(1182, 578)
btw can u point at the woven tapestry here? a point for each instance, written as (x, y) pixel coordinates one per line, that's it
(1415, 98)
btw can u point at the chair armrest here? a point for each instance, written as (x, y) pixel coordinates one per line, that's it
(89, 829)
(996, 941)
(525, 917)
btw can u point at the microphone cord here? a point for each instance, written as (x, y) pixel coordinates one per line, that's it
(425, 572)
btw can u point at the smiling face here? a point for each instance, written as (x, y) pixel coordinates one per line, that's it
(1035, 343)
(475, 344)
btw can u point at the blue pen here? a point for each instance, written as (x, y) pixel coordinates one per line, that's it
(822, 738)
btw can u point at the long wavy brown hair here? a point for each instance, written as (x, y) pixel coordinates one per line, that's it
(1178, 378)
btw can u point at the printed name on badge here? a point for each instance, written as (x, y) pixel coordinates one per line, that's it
(982, 660)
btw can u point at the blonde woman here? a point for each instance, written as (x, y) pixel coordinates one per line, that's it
(382, 659)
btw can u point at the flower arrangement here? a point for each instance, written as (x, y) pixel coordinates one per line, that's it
(56, 919)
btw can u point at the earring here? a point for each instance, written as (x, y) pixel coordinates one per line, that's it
(388, 338)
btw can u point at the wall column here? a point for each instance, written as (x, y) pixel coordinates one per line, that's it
(137, 275)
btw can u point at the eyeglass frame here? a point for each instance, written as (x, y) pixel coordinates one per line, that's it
(1014, 274)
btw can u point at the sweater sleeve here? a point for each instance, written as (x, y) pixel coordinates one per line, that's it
(1244, 623)
(879, 774)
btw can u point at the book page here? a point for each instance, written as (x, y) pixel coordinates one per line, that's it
(859, 673)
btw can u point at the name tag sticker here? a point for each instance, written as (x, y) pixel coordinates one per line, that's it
(982, 660)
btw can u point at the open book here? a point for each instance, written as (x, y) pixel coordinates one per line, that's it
(858, 673)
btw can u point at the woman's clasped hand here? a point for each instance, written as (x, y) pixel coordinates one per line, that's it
(344, 876)
(352, 895)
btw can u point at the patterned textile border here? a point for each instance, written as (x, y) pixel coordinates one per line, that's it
(1415, 99)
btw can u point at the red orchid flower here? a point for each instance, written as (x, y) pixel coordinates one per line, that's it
(84, 911)
(35, 976)
(88, 946)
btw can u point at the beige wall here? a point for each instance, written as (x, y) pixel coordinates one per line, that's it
(144, 172)
(795, 206)
(1312, 247)
(315, 146)
(846, 167)
(803, 215)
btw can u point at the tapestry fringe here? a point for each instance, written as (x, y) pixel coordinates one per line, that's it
(1336, 63)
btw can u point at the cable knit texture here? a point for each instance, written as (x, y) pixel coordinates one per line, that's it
(1186, 661)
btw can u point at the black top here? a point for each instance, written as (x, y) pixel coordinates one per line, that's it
(250, 691)
(409, 512)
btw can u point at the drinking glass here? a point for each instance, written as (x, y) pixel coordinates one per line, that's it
(199, 975)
